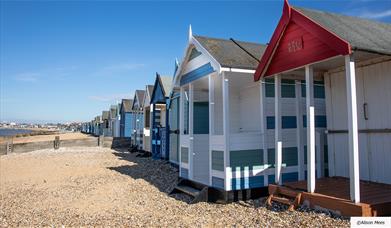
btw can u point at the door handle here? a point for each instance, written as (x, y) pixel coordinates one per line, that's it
(365, 106)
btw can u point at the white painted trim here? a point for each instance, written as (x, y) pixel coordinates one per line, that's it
(191, 132)
(211, 122)
(278, 129)
(226, 130)
(354, 171)
(181, 124)
(299, 130)
(263, 126)
(238, 70)
(310, 109)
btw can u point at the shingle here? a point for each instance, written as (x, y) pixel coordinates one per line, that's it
(362, 34)
(228, 54)
(127, 105)
(166, 83)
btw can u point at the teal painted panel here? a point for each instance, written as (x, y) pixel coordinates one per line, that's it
(320, 121)
(286, 177)
(269, 87)
(201, 118)
(289, 156)
(196, 74)
(184, 154)
(247, 182)
(287, 122)
(218, 182)
(218, 160)
(319, 91)
(246, 158)
(288, 88)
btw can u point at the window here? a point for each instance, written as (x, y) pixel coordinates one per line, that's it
(288, 88)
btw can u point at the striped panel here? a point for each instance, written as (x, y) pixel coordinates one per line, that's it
(218, 182)
(218, 160)
(286, 177)
(246, 158)
(196, 74)
(247, 182)
(184, 154)
(184, 173)
(289, 156)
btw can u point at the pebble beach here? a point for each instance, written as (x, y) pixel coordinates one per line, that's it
(91, 186)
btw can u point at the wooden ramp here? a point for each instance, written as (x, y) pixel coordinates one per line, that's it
(333, 193)
(198, 192)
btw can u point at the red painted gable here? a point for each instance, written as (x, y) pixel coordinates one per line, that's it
(296, 42)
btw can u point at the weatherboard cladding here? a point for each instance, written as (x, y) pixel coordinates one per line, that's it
(218, 182)
(286, 177)
(184, 154)
(218, 160)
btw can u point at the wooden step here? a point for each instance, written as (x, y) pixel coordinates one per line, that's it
(188, 190)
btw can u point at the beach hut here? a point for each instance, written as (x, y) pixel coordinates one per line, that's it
(173, 122)
(353, 56)
(126, 118)
(112, 120)
(105, 124)
(160, 131)
(227, 120)
(138, 102)
(147, 118)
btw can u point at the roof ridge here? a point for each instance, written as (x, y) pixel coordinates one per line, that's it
(342, 15)
(228, 40)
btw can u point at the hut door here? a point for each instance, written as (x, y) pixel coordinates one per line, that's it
(201, 142)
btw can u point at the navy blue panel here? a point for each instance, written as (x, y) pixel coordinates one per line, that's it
(185, 173)
(289, 156)
(218, 182)
(319, 91)
(288, 88)
(196, 74)
(269, 87)
(157, 95)
(270, 122)
(247, 182)
(320, 121)
(288, 122)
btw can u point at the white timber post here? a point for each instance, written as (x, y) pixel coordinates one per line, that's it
(211, 122)
(181, 125)
(309, 87)
(278, 130)
(354, 169)
(299, 130)
(191, 132)
(226, 129)
(263, 127)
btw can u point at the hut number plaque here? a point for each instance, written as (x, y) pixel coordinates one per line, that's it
(295, 45)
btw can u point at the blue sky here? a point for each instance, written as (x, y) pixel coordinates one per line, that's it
(68, 61)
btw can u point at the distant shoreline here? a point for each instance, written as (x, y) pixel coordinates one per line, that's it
(24, 132)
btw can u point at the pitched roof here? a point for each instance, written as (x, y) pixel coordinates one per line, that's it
(362, 34)
(140, 96)
(166, 82)
(150, 89)
(105, 115)
(113, 111)
(127, 105)
(228, 54)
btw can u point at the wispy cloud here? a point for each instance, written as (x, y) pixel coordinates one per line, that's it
(110, 97)
(27, 77)
(370, 14)
(376, 15)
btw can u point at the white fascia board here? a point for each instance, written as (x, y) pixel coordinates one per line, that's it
(238, 70)
(215, 64)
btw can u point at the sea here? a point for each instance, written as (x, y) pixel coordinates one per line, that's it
(12, 132)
